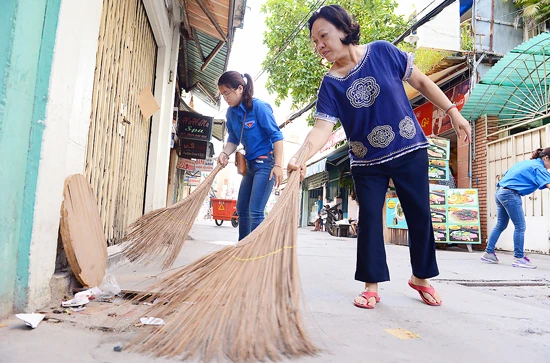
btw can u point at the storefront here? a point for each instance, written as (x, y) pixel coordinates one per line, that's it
(454, 212)
(510, 110)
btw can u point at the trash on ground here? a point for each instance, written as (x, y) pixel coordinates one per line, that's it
(77, 309)
(118, 347)
(105, 297)
(31, 320)
(87, 293)
(110, 284)
(151, 303)
(82, 300)
(151, 321)
(114, 315)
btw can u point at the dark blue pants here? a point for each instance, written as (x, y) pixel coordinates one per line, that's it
(254, 193)
(410, 177)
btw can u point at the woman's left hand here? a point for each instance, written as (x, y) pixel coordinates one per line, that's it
(461, 125)
(277, 173)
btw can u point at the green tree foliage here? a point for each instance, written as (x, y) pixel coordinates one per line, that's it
(425, 59)
(294, 69)
(537, 10)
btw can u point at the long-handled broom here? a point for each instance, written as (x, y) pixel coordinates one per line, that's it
(163, 231)
(241, 302)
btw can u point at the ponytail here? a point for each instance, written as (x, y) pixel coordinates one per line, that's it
(233, 80)
(540, 153)
(248, 91)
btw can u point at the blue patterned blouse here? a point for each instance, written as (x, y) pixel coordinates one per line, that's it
(373, 107)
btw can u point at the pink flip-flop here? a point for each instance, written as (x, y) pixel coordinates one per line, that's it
(428, 290)
(366, 295)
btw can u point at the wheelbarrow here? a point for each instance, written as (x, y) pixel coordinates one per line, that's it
(225, 210)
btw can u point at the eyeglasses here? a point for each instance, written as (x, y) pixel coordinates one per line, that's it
(227, 93)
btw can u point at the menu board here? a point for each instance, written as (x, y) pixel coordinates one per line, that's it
(395, 217)
(439, 151)
(455, 215)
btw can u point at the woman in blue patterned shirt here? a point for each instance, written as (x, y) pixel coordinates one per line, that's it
(364, 91)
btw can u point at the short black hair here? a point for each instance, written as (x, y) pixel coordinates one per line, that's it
(341, 19)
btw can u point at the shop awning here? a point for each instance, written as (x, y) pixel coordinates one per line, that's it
(316, 168)
(207, 31)
(516, 89)
(339, 155)
(438, 78)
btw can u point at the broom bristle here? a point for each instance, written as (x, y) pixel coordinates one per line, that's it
(163, 231)
(241, 302)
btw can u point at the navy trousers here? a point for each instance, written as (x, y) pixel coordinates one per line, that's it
(410, 177)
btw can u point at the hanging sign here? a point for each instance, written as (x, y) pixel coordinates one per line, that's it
(205, 165)
(185, 164)
(337, 136)
(194, 126)
(192, 149)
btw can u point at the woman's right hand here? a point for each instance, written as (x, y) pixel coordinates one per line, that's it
(293, 165)
(223, 159)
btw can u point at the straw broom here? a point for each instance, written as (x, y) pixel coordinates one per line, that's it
(163, 231)
(241, 302)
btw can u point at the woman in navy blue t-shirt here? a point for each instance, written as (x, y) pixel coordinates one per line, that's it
(364, 91)
(250, 122)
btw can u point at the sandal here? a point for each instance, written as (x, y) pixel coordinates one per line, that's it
(366, 295)
(428, 290)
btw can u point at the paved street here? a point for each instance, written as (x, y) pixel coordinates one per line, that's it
(490, 313)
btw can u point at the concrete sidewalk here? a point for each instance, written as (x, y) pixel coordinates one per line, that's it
(490, 313)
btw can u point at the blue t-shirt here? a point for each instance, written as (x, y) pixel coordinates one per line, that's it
(260, 128)
(319, 206)
(526, 176)
(373, 107)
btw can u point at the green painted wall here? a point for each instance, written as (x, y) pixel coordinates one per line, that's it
(25, 66)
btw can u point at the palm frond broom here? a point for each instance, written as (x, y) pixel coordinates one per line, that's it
(241, 302)
(163, 231)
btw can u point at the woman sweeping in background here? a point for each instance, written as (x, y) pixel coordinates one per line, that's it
(522, 179)
(364, 90)
(250, 121)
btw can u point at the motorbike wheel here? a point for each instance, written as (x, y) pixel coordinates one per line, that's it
(218, 223)
(235, 221)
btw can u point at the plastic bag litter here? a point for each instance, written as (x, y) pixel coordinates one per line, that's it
(109, 284)
(151, 321)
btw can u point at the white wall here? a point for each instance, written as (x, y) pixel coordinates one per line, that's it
(167, 36)
(65, 134)
(67, 123)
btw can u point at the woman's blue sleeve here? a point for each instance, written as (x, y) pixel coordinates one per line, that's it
(542, 178)
(231, 136)
(401, 61)
(266, 119)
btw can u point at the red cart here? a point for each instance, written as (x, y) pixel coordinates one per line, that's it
(225, 210)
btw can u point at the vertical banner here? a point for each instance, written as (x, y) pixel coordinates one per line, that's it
(458, 95)
(424, 116)
(439, 151)
(395, 217)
